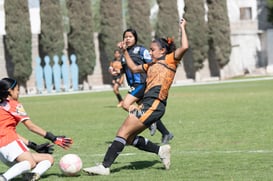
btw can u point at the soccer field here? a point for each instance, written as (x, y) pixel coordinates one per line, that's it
(222, 132)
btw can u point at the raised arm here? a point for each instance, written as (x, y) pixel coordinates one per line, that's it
(179, 52)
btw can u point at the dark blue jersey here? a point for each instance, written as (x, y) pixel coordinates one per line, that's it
(139, 55)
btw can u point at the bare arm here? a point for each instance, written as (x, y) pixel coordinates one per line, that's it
(130, 63)
(34, 128)
(179, 52)
(61, 141)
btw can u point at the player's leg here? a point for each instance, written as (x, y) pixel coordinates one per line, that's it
(130, 126)
(116, 91)
(135, 94)
(154, 112)
(164, 151)
(13, 156)
(44, 162)
(166, 135)
(128, 101)
(16, 169)
(153, 129)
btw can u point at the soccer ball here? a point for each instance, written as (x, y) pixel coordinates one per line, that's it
(70, 164)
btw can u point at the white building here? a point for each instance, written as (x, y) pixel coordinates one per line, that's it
(250, 41)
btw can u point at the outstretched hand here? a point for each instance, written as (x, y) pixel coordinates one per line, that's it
(63, 142)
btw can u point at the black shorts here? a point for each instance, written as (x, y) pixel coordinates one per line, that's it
(151, 111)
(116, 78)
(137, 90)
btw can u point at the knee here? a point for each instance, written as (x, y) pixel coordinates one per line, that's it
(50, 159)
(125, 105)
(32, 164)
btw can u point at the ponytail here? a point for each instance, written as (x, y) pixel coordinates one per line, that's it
(168, 44)
(4, 93)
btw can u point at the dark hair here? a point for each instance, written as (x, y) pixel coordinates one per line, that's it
(5, 85)
(117, 50)
(12, 82)
(132, 31)
(168, 44)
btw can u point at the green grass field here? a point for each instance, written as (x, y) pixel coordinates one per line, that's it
(223, 132)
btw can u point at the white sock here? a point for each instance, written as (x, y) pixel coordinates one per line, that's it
(17, 169)
(42, 167)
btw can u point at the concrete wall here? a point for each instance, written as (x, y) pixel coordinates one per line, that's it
(245, 39)
(3, 70)
(269, 52)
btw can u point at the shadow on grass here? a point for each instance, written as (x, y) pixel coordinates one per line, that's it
(48, 175)
(110, 106)
(108, 142)
(137, 165)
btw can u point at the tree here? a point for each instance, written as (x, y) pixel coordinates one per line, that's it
(167, 20)
(139, 13)
(81, 36)
(111, 33)
(270, 10)
(51, 37)
(219, 36)
(197, 36)
(18, 39)
(96, 15)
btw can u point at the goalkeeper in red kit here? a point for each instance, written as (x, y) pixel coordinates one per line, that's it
(14, 149)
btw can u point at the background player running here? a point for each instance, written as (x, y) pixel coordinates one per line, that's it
(115, 69)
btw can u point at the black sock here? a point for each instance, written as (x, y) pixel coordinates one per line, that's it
(145, 145)
(113, 151)
(119, 97)
(161, 128)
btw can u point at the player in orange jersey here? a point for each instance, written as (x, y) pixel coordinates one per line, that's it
(137, 81)
(115, 69)
(160, 75)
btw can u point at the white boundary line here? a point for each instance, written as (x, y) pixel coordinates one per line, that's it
(222, 81)
(195, 152)
(107, 88)
(228, 152)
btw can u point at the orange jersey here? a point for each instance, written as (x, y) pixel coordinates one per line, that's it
(11, 113)
(116, 65)
(160, 75)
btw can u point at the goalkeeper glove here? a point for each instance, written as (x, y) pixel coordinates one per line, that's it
(42, 148)
(61, 141)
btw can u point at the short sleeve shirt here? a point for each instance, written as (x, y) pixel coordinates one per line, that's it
(12, 112)
(140, 55)
(160, 75)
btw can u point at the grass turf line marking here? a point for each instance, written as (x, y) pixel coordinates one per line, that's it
(227, 152)
(196, 152)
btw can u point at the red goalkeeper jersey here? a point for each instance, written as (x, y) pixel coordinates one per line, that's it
(11, 113)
